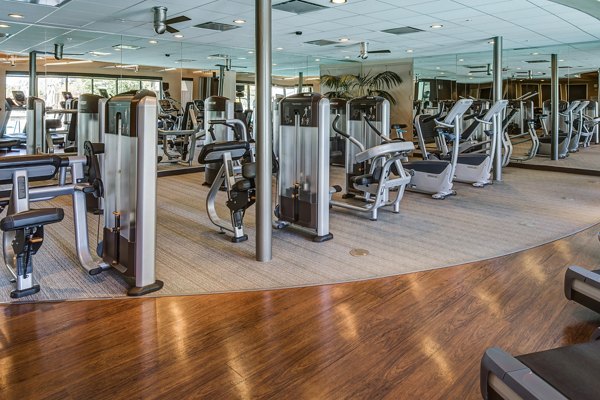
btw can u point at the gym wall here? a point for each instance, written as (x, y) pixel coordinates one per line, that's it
(401, 112)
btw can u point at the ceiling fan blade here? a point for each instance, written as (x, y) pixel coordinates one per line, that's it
(73, 54)
(176, 20)
(238, 66)
(170, 29)
(379, 52)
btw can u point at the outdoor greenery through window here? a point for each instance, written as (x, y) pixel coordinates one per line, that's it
(50, 88)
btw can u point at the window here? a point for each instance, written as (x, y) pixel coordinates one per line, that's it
(16, 83)
(126, 85)
(79, 86)
(50, 89)
(105, 83)
(152, 85)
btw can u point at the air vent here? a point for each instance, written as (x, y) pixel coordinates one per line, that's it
(566, 67)
(49, 3)
(537, 61)
(184, 60)
(348, 60)
(224, 56)
(475, 66)
(402, 30)
(321, 42)
(216, 26)
(298, 7)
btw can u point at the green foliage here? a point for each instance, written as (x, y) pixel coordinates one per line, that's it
(349, 86)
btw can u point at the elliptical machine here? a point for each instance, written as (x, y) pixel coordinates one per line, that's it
(436, 177)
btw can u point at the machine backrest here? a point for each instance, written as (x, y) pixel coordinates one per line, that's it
(496, 109)
(39, 167)
(458, 110)
(572, 106)
(582, 106)
(213, 152)
(425, 125)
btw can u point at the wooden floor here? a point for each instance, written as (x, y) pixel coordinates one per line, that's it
(417, 336)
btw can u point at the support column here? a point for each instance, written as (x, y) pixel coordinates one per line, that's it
(498, 92)
(596, 128)
(554, 100)
(263, 134)
(33, 89)
(300, 81)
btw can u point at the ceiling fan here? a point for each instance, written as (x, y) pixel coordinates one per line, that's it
(58, 52)
(13, 59)
(162, 24)
(528, 74)
(227, 66)
(364, 51)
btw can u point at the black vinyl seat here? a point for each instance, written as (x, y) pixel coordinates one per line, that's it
(431, 167)
(569, 372)
(32, 218)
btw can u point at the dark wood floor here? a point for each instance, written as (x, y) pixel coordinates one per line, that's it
(417, 336)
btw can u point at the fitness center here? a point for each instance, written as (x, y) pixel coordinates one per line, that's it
(300, 199)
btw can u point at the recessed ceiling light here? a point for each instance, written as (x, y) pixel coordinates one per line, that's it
(409, 50)
(178, 36)
(99, 53)
(17, 16)
(437, 26)
(347, 57)
(345, 1)
(250, 52)
(4, 26)
(491, 42)
(437, 67)
(274, 65)
(461, 59)
(241, 58)
(239, 21)
(471, 78)
(564, 60)
(152, 41)
(317, 59)
(534, 54)
(442, 73)
(344, 39)
(279, 48)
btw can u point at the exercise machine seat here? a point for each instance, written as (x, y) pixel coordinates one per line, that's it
(31, 218)
(432, 166)
(572, 370)
(249, 170)
(367, 179)
(213, 152)
(469, 159)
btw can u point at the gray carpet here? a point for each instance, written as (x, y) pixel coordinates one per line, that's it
(528, 209)
(586, 158)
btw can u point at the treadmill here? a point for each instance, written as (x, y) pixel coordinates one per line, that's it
(570, 372)
(8, 142)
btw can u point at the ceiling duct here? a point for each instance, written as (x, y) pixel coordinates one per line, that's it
(298, 7)
(216, 26)
(321, 42)
(402, 30)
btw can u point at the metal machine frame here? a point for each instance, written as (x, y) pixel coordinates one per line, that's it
(22, 195)
(304, 164)
(129, 235)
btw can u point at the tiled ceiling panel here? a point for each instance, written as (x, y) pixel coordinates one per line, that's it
(467, 27)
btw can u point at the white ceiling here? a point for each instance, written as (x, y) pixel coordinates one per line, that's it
(91, 25)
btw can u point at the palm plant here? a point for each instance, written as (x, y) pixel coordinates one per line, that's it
(349, 86)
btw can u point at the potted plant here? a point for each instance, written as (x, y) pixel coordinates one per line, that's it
(350, 86)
